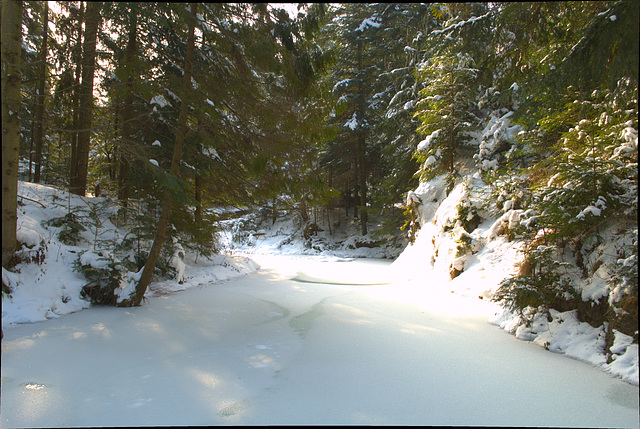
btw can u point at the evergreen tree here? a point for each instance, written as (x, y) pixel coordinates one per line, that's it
(176, 159)
(356, 28)
(40, 106)
(31, 59)
(64, 87)
(579, 148)
(445, 111)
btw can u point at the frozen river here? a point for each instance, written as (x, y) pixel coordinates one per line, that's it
(276, 347)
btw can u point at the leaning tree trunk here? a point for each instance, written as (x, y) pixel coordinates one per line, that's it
(165, 213)
(11, 78)
(81, 168)
(39, 140)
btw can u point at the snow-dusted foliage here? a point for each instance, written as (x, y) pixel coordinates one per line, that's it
(445, 111)
(496, 140)
(577, 223)
(566, 222)
(63, 268)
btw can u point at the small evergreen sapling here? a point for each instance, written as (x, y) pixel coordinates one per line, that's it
(445, 112)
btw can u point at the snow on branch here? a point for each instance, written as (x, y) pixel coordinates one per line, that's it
(368, 22)
(341, 83)
(461, 23)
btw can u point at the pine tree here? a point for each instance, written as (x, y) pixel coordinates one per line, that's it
(176, 159)
(579, 149)
(61, 108)
(31, 78)
(357, 27)
(445, 111)
(78, 55)
(129, 77)
(397, 90)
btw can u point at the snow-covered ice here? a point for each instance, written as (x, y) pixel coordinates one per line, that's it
(325, 338)
(267, 349)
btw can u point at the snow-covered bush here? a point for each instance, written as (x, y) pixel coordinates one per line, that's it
(197, 232)
(540, 285)
(508, 192)
(623, 286)
(574, 200)
(445, 112)
(176, 262)
(104, 274)
(33, 249)
(497, 141)
(70, 228)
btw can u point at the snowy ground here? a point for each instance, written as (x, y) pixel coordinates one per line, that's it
(327, 337)
(266, 349)
(52, 288)
(428, 263)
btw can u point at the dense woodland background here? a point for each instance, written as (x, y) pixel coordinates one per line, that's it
(172, 110)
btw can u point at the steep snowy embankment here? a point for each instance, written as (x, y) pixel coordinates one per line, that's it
(473, 264)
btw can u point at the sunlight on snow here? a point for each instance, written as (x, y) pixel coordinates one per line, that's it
(18, 345)
(100, 328)
(261, 361)
(79, 335)
(36, 400)
(433, 297)
(364, 318)
(208, 380)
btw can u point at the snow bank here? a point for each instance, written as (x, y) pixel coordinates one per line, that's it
(436, 260)
(51, 287)
(257, 235)
(566, 334)
(486, 259)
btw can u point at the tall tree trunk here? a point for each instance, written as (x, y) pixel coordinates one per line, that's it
(198, 196)
(11, 77)
(40, 98)
(361, 149)
(113, 157)
(347, 199)
(127, 113)
(77, 58)
(165, 213)
(452, 141)
(356, 191)
(79, 173)
(363, 182)
(32, 138)
(274, 210)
